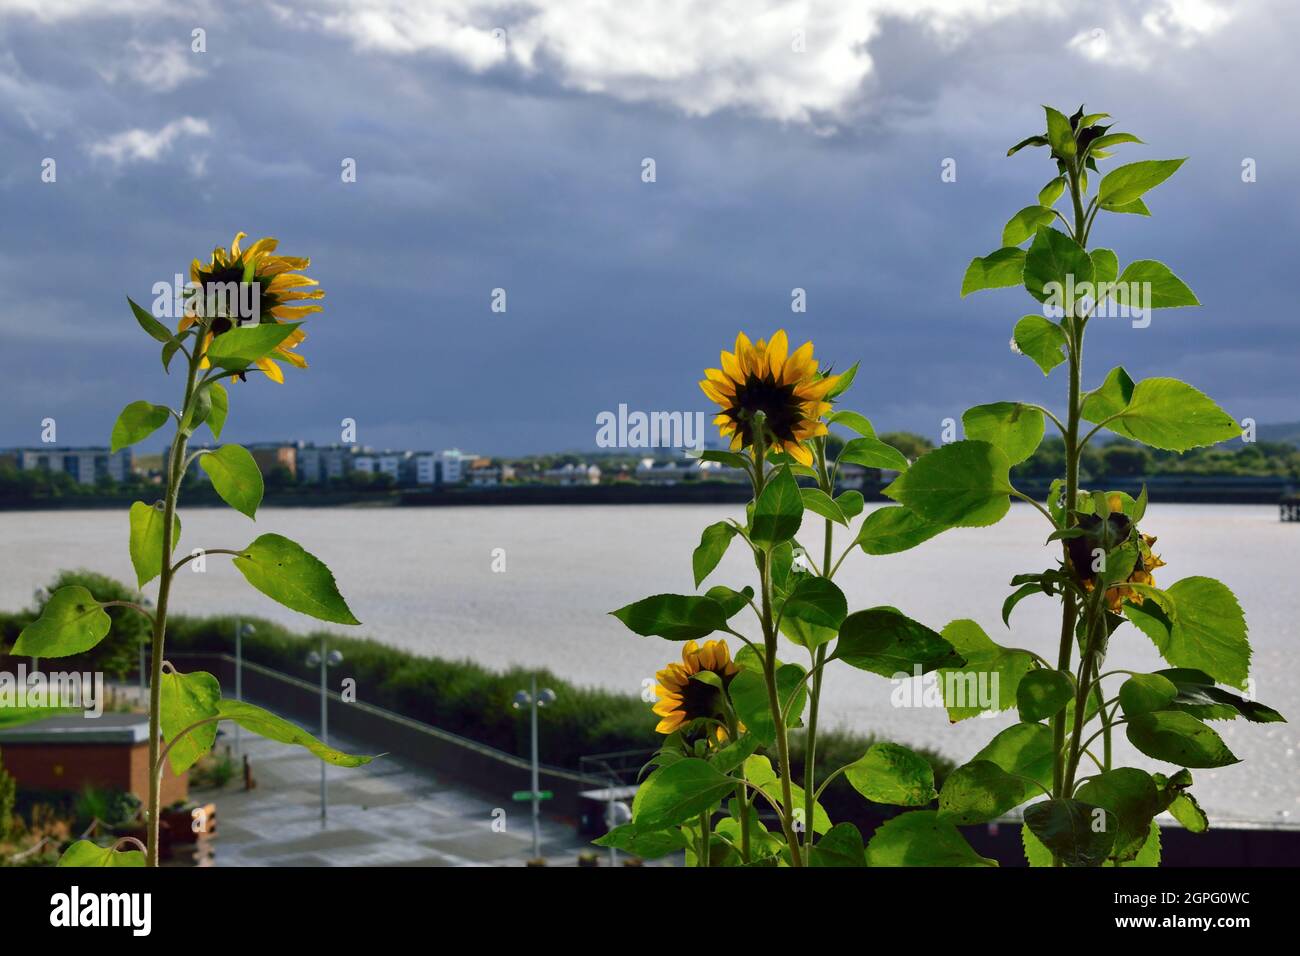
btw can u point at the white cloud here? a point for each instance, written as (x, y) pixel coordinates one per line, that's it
(1136, 38)
(160, 68)
(702, 56)
(145, 145)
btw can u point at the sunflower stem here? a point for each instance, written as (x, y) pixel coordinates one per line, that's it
(175, 475)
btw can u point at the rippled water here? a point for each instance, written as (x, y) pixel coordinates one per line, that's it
(423, 579)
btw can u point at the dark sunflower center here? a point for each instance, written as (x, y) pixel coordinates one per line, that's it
(778, 402)
(225, 293)
(700, 699)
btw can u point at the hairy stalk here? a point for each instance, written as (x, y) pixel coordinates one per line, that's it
(175, 475)
(819, 659)
(1069, 610)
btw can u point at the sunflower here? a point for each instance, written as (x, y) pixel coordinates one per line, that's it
(786, 387)
(1147, 561)
(682, 699)
(1117, 526)
(281, 288)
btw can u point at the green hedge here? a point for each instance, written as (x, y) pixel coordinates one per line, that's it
(460, 696)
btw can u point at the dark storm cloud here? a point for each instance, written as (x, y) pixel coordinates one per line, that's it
(618, 291)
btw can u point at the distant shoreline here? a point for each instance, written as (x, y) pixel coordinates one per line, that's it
(1166, 489)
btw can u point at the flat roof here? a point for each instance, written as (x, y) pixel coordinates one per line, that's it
(76, 729)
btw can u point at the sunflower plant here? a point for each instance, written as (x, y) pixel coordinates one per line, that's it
(724, 771)
(1082, 809)
(237, 317)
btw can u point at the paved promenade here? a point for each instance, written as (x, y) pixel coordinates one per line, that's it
(383, 814)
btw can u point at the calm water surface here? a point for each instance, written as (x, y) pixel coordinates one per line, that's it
(423, 579)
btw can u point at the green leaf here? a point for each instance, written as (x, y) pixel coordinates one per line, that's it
(1209, 632)
(978, 792)
(844, 382)
(1069, 828)
(1130, 798)
(1105, 267)
(677, 617)
(758, 771)
(890, 773)
(266, 724)
(999, 269)
(1124, 184)
(137, 422)
(198, 411)
(1025, 223)
(778, 513)
(168, 352)
(1041, 340)
(730, 600)
(1027, 141)
(1060, 134)
(713, 545)
(1052, 260)
(1198, 696)
(1113, 139)
(921, 838)
(151, 325)
(841, 846)
(1167, 291)
(748, 693)
(1188, 812)
(220, 401)
(1109, 398)
(885, 642)
(646, 845)
(1136, 208)
(818, 502)
(1015, 428)
(1144, 693)
(86, 853)
(1043, 693)
(243, 345)
(858, 422)
(989, 677)
(1171, 415)
(286, 573)
(71, 622)
(964, 484)
(236, 477)
(187, 699)
(146, 544)
(850, 503)
(678, 792)
(813, 612)
(1023, 750)
(1179, 738)
(1049, 194)
(873, 453)
(895, 528)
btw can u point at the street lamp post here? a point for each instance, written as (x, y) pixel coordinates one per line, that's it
(324, 660)
(533, 700)
(241, 631)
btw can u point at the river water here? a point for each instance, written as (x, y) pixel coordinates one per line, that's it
(430, 580)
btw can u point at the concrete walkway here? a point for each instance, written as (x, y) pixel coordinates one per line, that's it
(386, 813)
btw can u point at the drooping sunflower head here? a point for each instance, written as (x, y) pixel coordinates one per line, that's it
(787, 387)
(1105, 533)
(239, 285)
(681, 699)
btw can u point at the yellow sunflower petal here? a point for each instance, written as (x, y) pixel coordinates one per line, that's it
(271, 369)
(670, 723)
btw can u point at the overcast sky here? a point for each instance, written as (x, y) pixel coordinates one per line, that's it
(500, 145)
